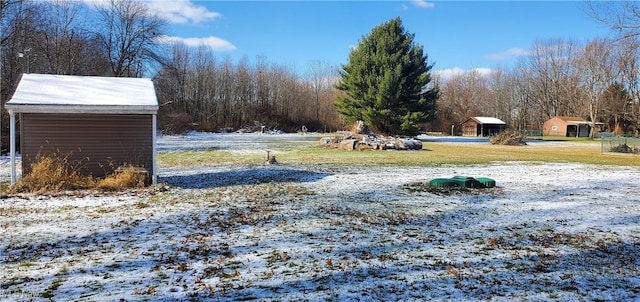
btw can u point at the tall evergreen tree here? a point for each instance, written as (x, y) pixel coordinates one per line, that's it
(387, 82)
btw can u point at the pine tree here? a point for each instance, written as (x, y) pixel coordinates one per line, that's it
(387, 82)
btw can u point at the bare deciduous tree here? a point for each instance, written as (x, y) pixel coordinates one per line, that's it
(63, 45)
(527, 114)
(616, 111)
(550, 70)
(128, 31)
(621, 16)
(595, 66)
(628, 62)
(499, 102)
(462, 96)
(320, 73)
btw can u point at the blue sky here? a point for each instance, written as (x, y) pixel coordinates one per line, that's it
(456, 35)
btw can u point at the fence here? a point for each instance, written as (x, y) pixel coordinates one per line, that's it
(619, 144)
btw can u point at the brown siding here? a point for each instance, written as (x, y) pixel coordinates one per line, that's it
(95, 143)
(470, 128)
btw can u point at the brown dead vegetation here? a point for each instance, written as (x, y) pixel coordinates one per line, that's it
(54, 174)
(508, 137)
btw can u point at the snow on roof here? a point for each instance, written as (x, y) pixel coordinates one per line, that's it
(91, 94)
(488, 120)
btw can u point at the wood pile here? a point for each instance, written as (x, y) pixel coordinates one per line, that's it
(346, 140)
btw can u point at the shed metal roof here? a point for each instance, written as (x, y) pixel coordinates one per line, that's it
(46, 93)
(488, 120)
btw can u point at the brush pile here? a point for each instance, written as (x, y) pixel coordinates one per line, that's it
(508, 137)
(624, 148)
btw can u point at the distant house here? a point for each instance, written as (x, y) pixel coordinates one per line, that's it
(482, 126)
(97, 123)
(567, 126)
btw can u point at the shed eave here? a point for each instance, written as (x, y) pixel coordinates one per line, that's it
(95, 109)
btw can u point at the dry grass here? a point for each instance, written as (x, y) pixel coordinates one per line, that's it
(54, 174)
(434, 153)
(204, 157)
(125, 178)
(441, 153)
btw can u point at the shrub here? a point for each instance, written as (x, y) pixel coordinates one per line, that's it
(177, 123)
(508, 137)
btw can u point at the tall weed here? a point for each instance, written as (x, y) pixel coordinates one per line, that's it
(127, 177)
(54, 174)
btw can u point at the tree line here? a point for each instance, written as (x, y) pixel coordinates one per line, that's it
(195, 89)
(596, 80)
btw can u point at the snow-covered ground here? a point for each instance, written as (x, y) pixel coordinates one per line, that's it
(232, 141)
(288, 232)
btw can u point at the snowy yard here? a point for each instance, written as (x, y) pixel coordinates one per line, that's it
(285, 232)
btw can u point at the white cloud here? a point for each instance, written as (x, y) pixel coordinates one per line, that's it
(184, 11)
(95, 3)
(175, 11)
(507, 54)
(445, 74)
(423, 4)
(214, 43)
(483, 71)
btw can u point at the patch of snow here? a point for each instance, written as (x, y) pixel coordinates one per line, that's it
(193, 141)
(291, 232)
(452, 139)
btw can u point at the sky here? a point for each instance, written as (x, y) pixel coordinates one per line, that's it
(456, 35)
